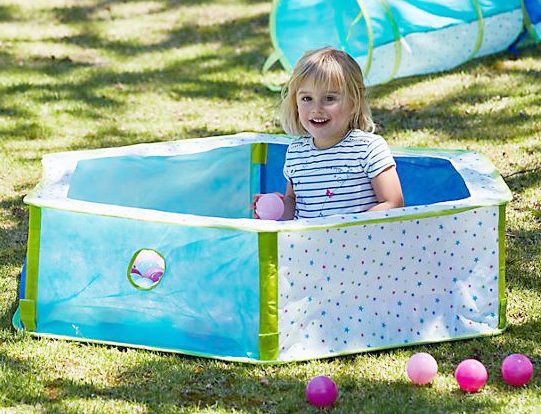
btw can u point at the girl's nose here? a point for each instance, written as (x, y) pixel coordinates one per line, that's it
(317, 107)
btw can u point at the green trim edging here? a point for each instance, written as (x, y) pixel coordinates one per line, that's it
(130, 265)
(259, 153)
(271, 60)
(28, 304)
(259, 158)
(268, 296)
(370, 34)
(272, 29)
(397, 43)
(528, 23)
(502, 300)
(480, 29)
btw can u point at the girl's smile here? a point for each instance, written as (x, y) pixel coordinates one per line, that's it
(324, 113)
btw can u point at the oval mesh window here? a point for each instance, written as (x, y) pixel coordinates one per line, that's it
(146, 269)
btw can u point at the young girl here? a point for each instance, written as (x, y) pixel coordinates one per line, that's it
(338, 165)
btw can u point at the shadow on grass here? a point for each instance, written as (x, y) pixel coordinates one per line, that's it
(169, 383)
(193, 78)
(524, 246)
(522, 180)
(112, 136)
(84, 14)
(84, 97)
(12, 255)
(445, 115)
(230, 33)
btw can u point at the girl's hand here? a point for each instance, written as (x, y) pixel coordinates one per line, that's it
(252, 206)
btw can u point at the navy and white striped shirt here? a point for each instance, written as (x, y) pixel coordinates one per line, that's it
(336, 180)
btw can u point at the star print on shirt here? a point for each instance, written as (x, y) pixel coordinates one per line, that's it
(329, 193)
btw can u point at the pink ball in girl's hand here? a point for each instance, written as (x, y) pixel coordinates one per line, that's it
(471, 375)
(421, 368)
(517, 370)
(321, 391)
(269, 207)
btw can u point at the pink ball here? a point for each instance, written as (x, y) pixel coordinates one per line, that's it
(321, 391)
(517, 370)
(269, 207)
(421, 368)
(471, 375)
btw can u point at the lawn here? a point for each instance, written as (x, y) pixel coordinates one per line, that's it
(80, 74)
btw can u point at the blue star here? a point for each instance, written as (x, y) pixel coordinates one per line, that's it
(369, 237)
(457, 242)
(361, 308)
(419, 283)
(346, 329)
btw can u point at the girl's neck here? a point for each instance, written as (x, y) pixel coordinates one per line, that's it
(329, 143)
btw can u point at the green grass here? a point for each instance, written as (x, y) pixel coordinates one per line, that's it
(97, 73)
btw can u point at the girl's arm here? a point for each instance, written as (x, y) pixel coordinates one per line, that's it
(289, 203)
(388, 190)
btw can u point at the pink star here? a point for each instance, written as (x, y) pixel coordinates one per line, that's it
(329, 193)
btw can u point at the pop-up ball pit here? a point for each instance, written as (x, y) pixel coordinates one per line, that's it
(238, 288)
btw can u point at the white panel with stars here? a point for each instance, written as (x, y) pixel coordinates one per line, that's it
(388, 284)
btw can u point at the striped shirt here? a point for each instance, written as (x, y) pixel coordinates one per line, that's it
(336, 180)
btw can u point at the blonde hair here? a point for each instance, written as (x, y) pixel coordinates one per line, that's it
(328, 68)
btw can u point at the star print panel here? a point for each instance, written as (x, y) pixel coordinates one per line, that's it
(388, 284)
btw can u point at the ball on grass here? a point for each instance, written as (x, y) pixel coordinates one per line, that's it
(421, 368)
(471, 375)
(517, 370)
(321, 391)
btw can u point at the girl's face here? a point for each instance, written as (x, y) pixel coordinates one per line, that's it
(324, 114)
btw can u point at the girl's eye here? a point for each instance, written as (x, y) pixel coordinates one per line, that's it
(330, 98)
(306, 99)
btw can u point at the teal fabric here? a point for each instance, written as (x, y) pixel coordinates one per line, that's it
(459, 29)
(207, 301)
(214, 183)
